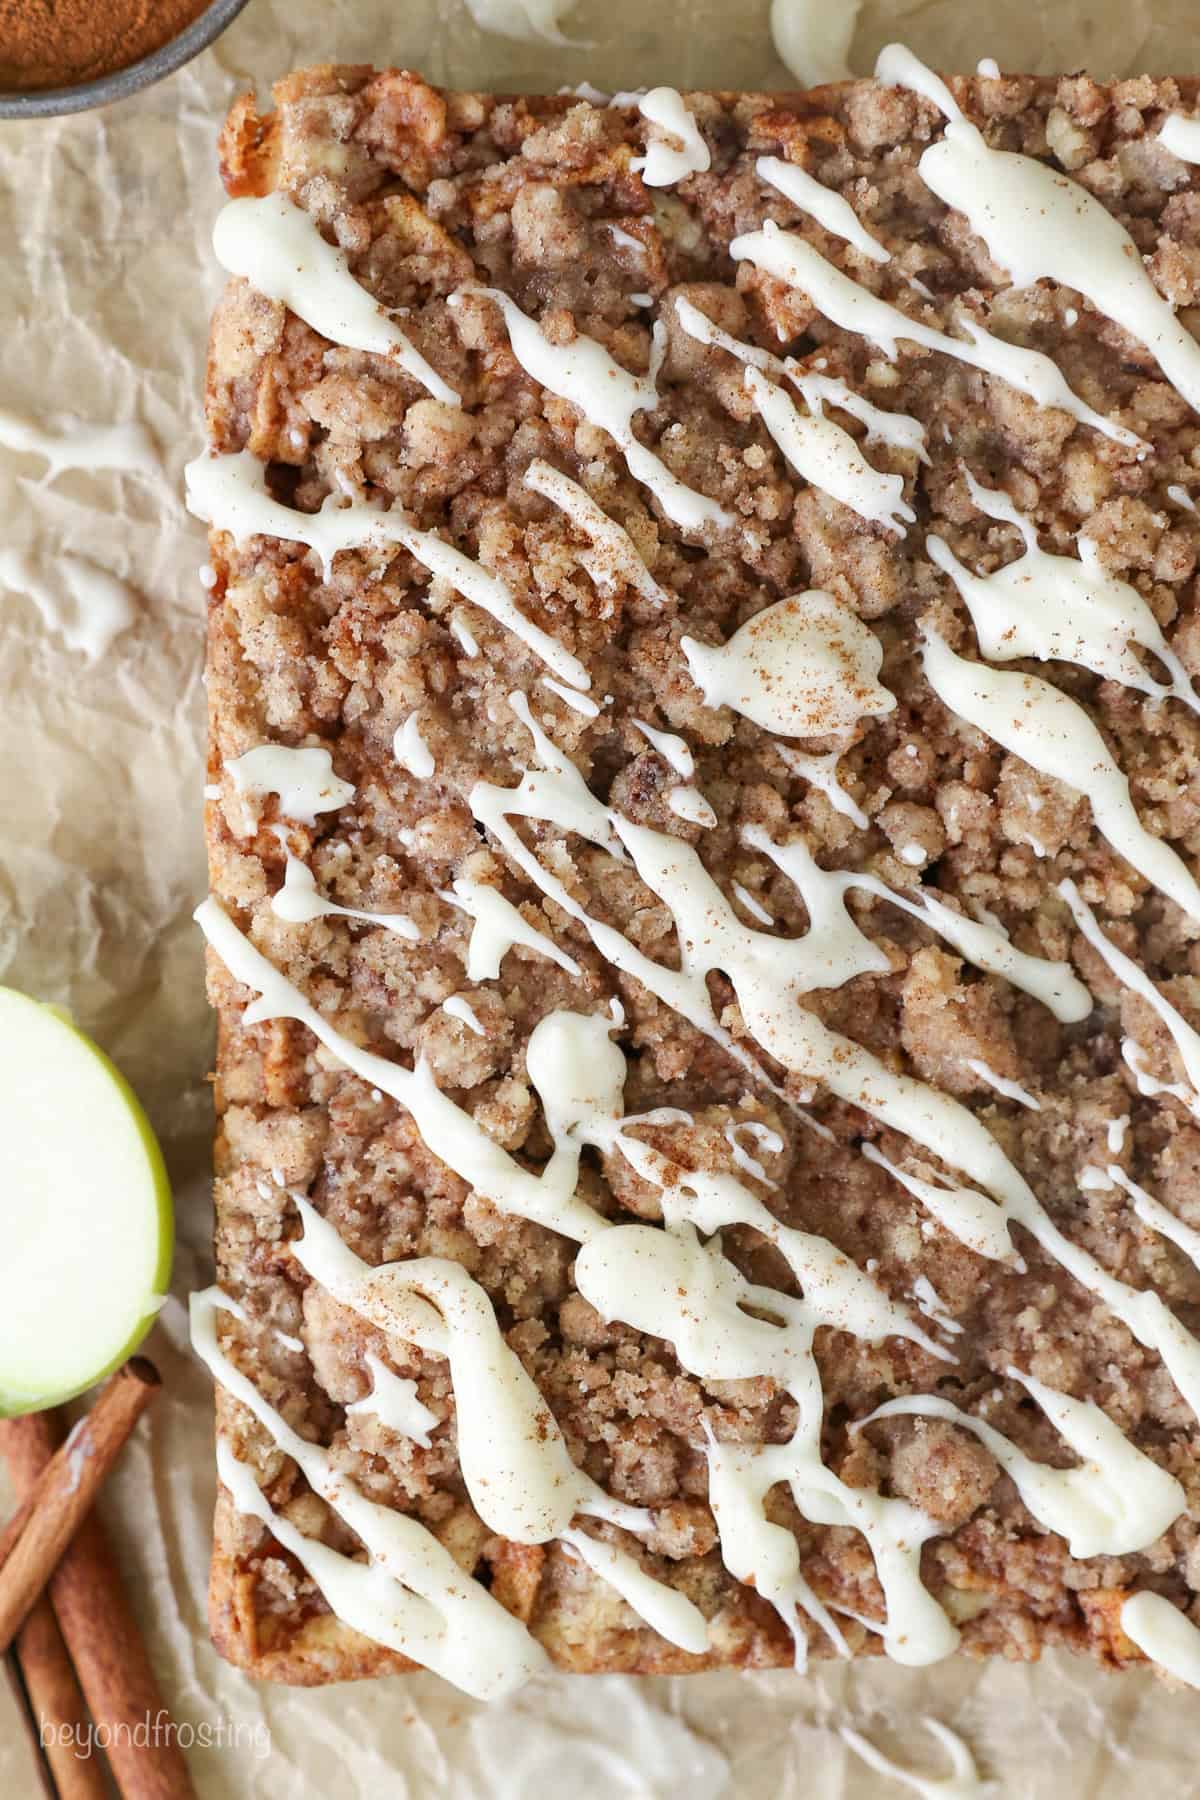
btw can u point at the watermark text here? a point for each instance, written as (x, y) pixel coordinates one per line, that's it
(85, 1737)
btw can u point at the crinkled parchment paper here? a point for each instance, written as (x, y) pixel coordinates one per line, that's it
(105, 286)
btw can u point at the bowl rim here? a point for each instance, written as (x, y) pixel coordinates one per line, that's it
(118, 84)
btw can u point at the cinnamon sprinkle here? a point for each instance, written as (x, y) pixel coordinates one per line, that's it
(60, 43)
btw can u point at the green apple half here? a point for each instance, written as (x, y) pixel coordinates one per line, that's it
(86, 1228)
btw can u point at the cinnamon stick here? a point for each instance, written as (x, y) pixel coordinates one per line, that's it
(55, 1708)
(21, 1702)
(54, 1508)
(102, 1636)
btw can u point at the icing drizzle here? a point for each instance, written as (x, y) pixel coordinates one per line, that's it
(1040, 225)
(676, 149)
(607, 395)
(802, 667)
(846, 303)
(230, 493)
(1054, 734)
(277, 247)
(1054, 607)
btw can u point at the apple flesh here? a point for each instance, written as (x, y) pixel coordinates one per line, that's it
(86, 1227)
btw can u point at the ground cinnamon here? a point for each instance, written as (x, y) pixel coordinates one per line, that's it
(59, 43)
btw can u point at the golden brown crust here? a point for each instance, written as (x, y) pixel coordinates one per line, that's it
(423, 190)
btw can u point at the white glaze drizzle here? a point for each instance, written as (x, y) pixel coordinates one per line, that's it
(802, 667)
(1149, 1085)
(1127, 972)
(449, 1131)
(302, 779)
(1153, 1213)
(821, 772)
(530, 21)
(459, 1007)
(962, 1783)
(1180, 134)
(1011, 1090)
(930, 1302)
(410, 749)
(71, 444)
(822, 204)
(762, 1134)
(411, 1595)
(1056, 607)
(275, 246)
(698, 325)
(1165, 1634)
(96, 608)
(515, 1463)
(1004, 1084)
(299, 901)
(580, 703)
(791, 259)
(583, 373)
(900, 430)
(971, 1217)
(579, 1075)
(465, 636)
(1053, 983)
(394, 1401)
(230, 493)
(614, 555)
(672, 748)
(752, 905)
(768, 975)
(1039, 224)
(819, 450)
(667, 1283)
(1054, 734)
(1114, 1502)
(676, 149)
(758, 1552)
(841, 1294)
(813, 40)
(664, 1608)
(689, 804)
(497, 926)
(828, 457)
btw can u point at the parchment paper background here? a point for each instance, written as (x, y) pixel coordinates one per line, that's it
(105, 286)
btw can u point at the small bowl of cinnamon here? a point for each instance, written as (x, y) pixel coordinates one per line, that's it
(63, 56)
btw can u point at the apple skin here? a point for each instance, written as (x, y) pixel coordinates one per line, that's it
(157, 1172)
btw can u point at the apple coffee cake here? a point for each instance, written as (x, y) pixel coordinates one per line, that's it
(704, 832)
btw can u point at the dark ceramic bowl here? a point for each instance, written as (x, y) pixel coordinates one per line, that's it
(44, 103)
